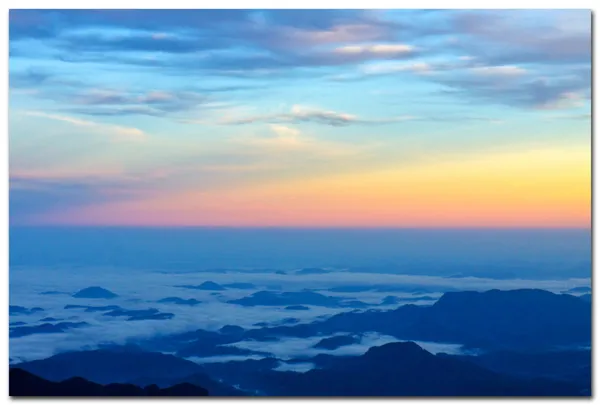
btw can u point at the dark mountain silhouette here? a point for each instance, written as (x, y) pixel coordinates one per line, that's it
(297, 308)
(269, 298)
(123, 365)
(60, 327)
(215, 388)
(573, 366)
(210, 345)
(405, 369)
(312, 270)
(393, 300)
(92, 308)
(108, 366)
(523, 319)
(414, 289)
(288, 321)
(406, 288)
(210, 351)
(179, 301)
(586, 297)
(240, 286)
(335, 342)
(232, 330)
(19, 310)
(246, 373)
(95, 292)
(140, 314)
(577, 290)
(193, 343)
(133, 314)
(25, 384)
(206, 286)
(390, 300)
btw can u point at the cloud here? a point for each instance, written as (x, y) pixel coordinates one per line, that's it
(389, 68)
(90, 98)
(151, 285)
(153, 102)
(525, 36)
(31, 196)
(266, 39)
(267, 44)
(303, 114)
(517, 88)
(583, 117)
(383, 50)
(118, 133)
(290, 144)
(498, 70)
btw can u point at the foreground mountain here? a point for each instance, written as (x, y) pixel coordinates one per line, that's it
(25, 384)
(405, 369)
(574, 366)
(125, 365)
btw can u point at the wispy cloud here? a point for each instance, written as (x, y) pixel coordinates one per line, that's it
(288, 140)
(299, 114)
(118, 133)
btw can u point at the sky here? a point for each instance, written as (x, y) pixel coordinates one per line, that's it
(318, 118)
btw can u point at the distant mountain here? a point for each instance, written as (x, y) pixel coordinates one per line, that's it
(240, 286)
(386, 288)
(312, 270)
(577, 290)
(393, 300)
(524, 319)
(206, 286)
(179, 301)
(269, 298)
(93, 308)
(25, 384)
(336, 342)
(19, 310)
(405, 369)
(95, 292)
(140, 314)
(517, 318)
(232, 330)
(122, 365)
(297, 308)
(19, 331)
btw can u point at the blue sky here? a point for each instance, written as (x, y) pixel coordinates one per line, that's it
(202, 116)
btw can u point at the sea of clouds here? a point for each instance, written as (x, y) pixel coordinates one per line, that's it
(141, 289)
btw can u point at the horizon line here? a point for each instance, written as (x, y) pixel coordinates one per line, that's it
(284, 227)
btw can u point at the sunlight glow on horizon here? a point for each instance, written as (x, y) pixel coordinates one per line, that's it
(537, 188)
